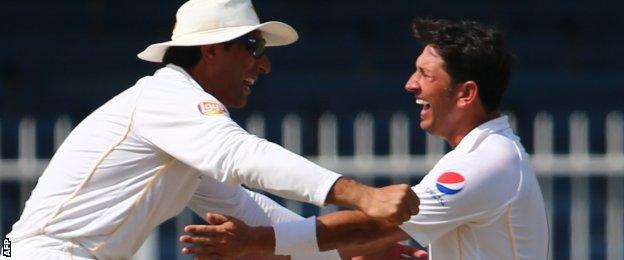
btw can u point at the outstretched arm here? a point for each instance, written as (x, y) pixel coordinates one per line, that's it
(352, 232)
(355, 233)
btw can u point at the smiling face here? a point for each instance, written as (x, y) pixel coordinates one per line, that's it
(229, 72)
(432, 88)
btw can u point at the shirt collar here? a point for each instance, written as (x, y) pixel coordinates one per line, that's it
(178, 71)
(476, 135)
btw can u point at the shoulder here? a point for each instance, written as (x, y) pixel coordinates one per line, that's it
(169, 96)
(489, 174)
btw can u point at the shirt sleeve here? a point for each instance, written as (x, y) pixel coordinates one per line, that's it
(251, 207)
(214, 144)
(459, 194)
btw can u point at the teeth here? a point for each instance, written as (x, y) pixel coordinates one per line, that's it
(249, 82)
(421, 102)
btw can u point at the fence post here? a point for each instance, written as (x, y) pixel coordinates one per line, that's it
(399, 138)
(615, 139)
(62, 128)
(435, 149)
(364, 142)
(543, 152)
(615, 217)
(579, 213)
(27, 153)
(615, 187)
(579, 137)
(291, 133)
(255, 125)
(328, 137)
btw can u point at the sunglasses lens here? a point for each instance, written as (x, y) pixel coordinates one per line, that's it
(258, 47)
(254, 45)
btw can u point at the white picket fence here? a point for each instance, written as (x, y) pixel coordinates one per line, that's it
(400, 164)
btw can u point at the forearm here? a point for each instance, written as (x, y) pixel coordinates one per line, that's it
(353, 231)
(349, 193)
(381, 243)
(335, 230)
(394, 203)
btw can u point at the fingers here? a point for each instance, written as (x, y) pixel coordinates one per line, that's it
(216, 219)
(202, 229)
(201, 252)
(204, 241)
(413, 202)
(404, 201)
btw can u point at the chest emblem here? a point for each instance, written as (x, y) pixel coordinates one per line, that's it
(210, 107)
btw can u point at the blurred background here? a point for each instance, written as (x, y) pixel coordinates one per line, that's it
(60, 60)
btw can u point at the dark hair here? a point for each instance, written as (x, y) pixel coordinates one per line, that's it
(186, 56)
(183, 56)
(470, 51)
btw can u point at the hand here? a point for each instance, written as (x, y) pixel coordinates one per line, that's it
(394, 203)
(224, 237)
(396, 251)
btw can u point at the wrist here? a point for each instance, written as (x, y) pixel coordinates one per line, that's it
(350, 193)
(262, 240)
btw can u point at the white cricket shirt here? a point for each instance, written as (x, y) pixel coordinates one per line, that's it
(138, 160)
(482, 200)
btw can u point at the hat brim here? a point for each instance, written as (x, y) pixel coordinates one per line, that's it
(275, 34)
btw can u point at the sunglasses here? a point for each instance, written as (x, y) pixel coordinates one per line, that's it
(254, 45)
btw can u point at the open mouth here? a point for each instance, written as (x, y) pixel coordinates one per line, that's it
(249, 82)
(425, 104)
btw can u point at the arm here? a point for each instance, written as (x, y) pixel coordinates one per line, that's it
(352, 232)
(394, 203)
(220, 149)
(355, 231)
(251, 207)
(234, 200)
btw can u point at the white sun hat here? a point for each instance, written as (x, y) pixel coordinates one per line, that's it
(202, 22)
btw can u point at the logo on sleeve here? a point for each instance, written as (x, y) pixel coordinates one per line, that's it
(210, 108)
(450, 183)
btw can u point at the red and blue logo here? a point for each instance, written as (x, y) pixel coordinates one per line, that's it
(450, 183)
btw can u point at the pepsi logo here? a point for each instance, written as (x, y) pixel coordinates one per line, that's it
(450, 183)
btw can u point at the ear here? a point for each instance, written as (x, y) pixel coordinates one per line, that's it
(208, 52)
(467, 94)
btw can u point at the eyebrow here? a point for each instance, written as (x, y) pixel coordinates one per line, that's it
(422, 69)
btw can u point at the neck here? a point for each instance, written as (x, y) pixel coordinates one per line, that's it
(198, 73)
(454, 138)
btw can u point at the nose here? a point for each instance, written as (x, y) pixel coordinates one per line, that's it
(264, 64)
(412, 85)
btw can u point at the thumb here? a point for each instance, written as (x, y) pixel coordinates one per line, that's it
(215, 219)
